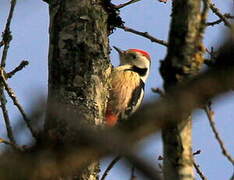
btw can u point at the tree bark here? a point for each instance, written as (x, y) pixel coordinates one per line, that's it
(184, 59)
(78, 70)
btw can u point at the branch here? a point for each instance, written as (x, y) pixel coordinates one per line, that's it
(6, 38)
(198, 170)
(6, 117)
(144, 34)
(227, 15)
(22, 65)
(158, 91)
(164, 1)
(217, 12)
(133, 176)
(13, 145)
(126, 4)
(197, 152)
(12, 95)
(1, 44)
(210, 115)
(7, 34)
(5, 141)
(110, 166)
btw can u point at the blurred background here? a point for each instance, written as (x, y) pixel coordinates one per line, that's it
(30, 42)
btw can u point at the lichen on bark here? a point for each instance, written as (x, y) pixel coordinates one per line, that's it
(78, 68)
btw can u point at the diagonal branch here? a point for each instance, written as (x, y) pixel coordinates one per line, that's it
(1, 44)
(126, 4)
(133, 176)
(145, 35)
(6, 38)
(13, 145)
(110, 166)
(22, 65)
(199, 172)
(227, 15)
(7, 34)
(217, 12)
(210, 115)
(12, 95)
(6, 116)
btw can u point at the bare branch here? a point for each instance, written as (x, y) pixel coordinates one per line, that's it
(227, 15)
(198, 170)
(217, 12)
(197, 152)
(210, 115)
(6, 116)
(7, 34)
(126, 4)
(144, 34)
(158, 91)
(22, 65)
(13, 145)
(110, 166)
(5, 141)
(12, 95)
(1, 44)
(164, 1)
(6, 38)
(133, 176)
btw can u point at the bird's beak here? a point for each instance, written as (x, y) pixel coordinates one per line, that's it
(118, 50)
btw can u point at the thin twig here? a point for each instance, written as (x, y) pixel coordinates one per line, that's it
(210, 61)
(217, 12)
(1, 44)
(158, 91)
(163, 1)
(110, 166)
(144, 34)
(133, 177)
(197, 152)
(227, 15)
(210, 115)
(199, 172)
(197, 168)
(6, 116)
(5, 141)
(126, 4)
(13, 145)
(22, 65)
(12, 95)
(7, 34)
(6, 38)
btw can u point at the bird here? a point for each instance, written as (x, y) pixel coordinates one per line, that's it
(127, 83)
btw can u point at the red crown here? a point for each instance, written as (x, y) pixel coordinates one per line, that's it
(144, 53)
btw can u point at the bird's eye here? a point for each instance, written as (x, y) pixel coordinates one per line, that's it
(133, 56)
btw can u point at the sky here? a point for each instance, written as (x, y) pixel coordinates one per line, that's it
(30, 42)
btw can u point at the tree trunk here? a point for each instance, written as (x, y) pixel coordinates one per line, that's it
(184, 59)
(78, 69)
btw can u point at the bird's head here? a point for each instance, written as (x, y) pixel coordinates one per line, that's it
(137, 59)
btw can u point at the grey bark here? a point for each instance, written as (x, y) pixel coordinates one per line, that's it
(184, 59)
(78, 70)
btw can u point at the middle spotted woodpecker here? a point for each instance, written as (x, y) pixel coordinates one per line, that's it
(127, 84)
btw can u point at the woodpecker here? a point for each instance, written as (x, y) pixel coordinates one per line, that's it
(127, 84)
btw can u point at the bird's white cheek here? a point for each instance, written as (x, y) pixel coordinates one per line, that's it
(142, 63)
